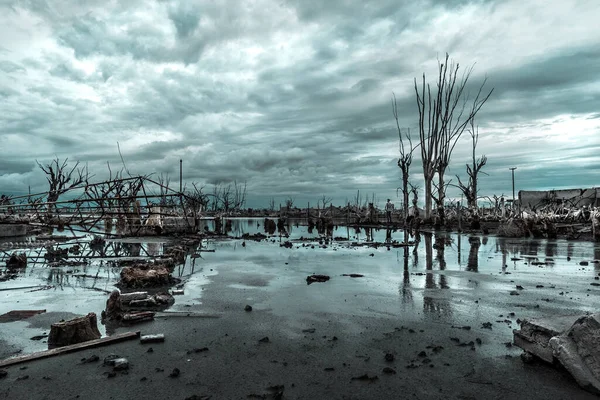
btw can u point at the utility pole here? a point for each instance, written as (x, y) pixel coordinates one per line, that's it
(512, 169)
(181, 175)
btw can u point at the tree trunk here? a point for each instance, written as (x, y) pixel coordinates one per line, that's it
(428, 198)
(405, 194)
(74, 331)
(441, 197)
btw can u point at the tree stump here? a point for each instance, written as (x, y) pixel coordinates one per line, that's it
(74, 331)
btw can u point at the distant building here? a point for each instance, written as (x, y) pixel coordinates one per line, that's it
(536, 199)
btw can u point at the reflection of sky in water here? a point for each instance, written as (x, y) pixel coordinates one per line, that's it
(445, 278)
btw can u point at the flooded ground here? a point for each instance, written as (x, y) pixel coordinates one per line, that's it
(447, 279)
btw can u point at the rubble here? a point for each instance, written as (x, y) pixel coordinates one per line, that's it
(146, 275)
(571, 341)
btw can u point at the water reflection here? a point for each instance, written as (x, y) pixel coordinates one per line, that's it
(473, 261)
(438, 306)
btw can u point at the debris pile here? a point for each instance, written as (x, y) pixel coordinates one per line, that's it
(142, 275)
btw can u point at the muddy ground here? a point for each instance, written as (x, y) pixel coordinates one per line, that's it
(444, 319)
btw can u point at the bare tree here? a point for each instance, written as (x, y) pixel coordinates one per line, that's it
(470, 188)
(323, 201)
(443, 117)
(239, 195)
(406, 156)
(61, 179)
(272, 204)
(289, 202)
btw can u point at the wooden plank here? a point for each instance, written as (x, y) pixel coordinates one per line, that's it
(71, 348)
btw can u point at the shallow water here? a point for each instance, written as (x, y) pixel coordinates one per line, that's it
(450, 279)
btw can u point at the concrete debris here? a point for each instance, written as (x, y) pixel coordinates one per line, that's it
(152, 338)
(571, 341)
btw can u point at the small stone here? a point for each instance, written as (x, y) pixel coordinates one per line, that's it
(527, 357)
(389, 357)
(175, 373)
(423, 354)
(390, 371)
(150, 350)
(121, 364)
(264, 340)
(248, 308)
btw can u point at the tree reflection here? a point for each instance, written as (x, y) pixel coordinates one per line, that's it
(473, 262)
(433, 305)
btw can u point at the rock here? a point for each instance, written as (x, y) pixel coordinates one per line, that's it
(486, 325)
(248, 308)
(527, 357)
(264, 340)
(365, 377)
(389, 371)
(175, 373)
(584, 263)
(90, 359)
(74, 331)
(389, 357)
(316, 278)
(120, 364)
(353, 275)
(3, 373)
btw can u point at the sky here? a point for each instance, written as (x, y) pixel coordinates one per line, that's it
(294, 96)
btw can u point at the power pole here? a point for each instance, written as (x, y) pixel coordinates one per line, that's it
(512, 169)
(181, 175)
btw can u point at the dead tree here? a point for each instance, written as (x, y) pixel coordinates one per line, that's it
(406, 156)
(443, 117)
(324, 200)
(470, 188)
(61, 179)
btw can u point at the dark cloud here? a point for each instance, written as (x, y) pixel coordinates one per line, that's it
(293, 97)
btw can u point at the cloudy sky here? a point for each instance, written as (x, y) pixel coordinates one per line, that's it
(293, 96)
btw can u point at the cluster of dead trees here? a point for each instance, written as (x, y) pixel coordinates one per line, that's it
(445, 113)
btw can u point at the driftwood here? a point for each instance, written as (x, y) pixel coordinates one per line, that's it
(74, 331)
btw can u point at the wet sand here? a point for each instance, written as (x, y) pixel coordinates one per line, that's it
(323, 335)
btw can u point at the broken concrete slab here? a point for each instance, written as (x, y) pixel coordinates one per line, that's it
(535, 334)
(578, 351)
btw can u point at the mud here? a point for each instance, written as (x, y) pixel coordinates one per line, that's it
(322, 335)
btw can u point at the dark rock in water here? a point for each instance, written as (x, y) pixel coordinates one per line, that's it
(365, 377)
(264, 340)
(389, 357)
(390, 371)
(584, 263)
(316, 278)
(175, 373)
(248, 307)
(353, 275)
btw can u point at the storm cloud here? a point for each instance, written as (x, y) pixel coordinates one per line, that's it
(293, 97)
